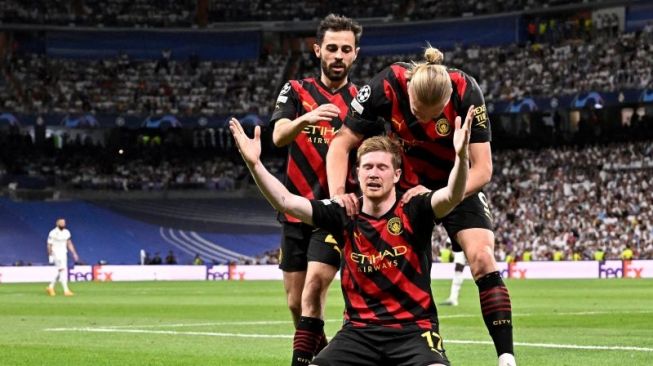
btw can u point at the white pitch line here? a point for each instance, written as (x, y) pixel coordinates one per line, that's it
(261, 322)
(167, 332)
(282, 336)
(554, 345)
(277, 322)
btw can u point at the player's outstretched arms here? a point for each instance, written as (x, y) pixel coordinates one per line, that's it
(273, 190)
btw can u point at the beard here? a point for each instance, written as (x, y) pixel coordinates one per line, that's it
(332, 74)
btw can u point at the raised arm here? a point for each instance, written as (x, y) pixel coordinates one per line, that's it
(273, 190)
(337, 161)
(445, 199)
(338, 157)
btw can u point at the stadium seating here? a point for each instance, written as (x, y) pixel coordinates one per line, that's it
(128, 87)
(515, 72)
(184, 13)
(569, 199)
(543, 200)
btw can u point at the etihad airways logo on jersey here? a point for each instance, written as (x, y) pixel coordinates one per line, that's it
(319, 134)
(372, 262)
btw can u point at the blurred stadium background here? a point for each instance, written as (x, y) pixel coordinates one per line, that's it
(113, 114)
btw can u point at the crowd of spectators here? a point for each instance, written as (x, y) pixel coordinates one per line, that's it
(606, 63)
(259, 10)
(569, 203)
(39, 84)
(187, 13)
(554, 203)
(96, 13)
(428, 9)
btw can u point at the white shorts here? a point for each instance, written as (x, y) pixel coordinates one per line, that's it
(61, 263)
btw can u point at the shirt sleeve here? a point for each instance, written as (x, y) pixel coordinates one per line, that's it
(481, 130)
(371, 109)
(286, 105)
(329, 216)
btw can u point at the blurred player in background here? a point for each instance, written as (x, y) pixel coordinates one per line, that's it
(417, 103)
(305, 118)
(59, 243)
(459, 261)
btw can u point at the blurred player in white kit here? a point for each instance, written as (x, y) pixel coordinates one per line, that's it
(59, 243)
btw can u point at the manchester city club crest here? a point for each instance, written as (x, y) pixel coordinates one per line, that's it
(394, 226)
(442, 127)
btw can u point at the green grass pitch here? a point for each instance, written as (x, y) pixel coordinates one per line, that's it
(557, 322)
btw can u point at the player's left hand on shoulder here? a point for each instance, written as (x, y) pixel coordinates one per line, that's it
(349, 202)
(417, 190)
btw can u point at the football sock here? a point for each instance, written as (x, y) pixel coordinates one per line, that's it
(497, 311)
(323, 343)
(308, 336)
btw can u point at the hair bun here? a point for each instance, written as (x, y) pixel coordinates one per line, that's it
(433, 56)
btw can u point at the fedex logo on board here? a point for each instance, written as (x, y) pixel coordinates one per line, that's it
(513, 271)
(625, 270)
(96, 274)
(230, 274)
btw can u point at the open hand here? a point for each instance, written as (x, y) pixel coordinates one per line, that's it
(250, 149)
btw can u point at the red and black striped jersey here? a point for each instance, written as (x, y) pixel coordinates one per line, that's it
(386, 265)
(429, 155)
(306, 168)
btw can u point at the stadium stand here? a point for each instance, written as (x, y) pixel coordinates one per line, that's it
(210, 88)
(515, 72)
(573, 199)
(40, 84)
(578, 187)
(188, 13)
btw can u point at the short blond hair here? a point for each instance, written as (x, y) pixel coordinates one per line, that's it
(430, 79)
(381, 143)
